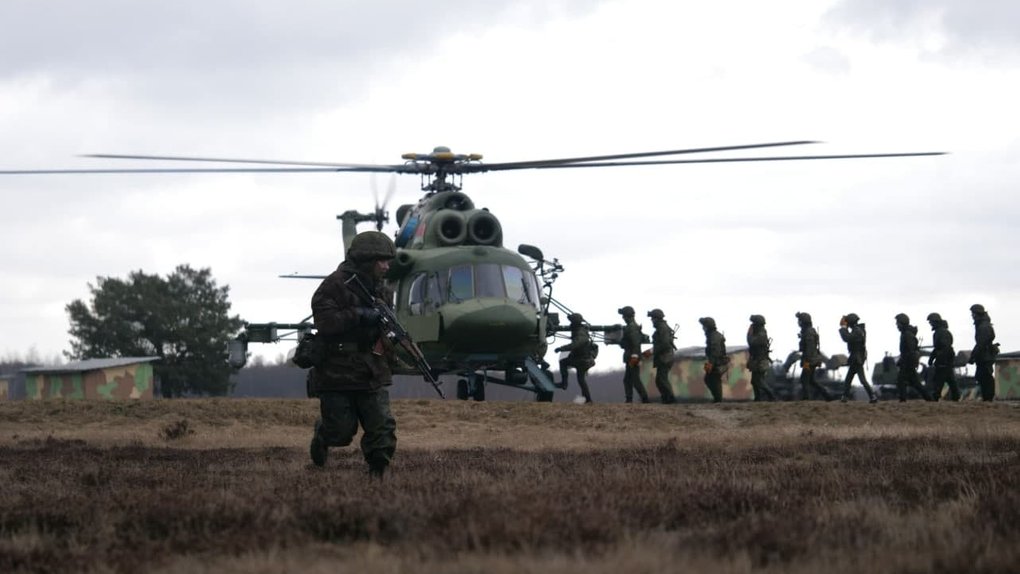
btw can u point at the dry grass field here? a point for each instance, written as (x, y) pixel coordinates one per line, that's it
(226, 486)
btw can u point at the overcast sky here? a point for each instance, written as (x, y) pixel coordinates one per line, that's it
(364, 82)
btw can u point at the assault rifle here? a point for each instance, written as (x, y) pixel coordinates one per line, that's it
(394, 331)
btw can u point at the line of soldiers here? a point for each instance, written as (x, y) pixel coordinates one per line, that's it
(851, 330)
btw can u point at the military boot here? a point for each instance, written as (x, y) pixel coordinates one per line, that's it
(376, 470)
(318, 450)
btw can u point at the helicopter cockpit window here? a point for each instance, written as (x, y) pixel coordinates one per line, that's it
(461, 283)
(520, 285)
(534, 293)
(488, 281)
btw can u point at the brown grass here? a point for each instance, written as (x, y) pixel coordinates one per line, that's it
(513, 487)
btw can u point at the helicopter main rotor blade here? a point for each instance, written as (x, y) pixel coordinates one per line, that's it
(737, 159)
(599, 158)
(235, 160)
(383, 169)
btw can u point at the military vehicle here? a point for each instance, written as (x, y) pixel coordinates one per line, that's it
(886, 371)
(476, 309)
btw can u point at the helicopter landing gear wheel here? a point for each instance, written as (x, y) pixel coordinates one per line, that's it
(473, 388)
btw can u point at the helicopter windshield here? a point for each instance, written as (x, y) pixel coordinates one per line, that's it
(428, 291)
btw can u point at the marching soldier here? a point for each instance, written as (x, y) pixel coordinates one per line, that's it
(631, 344)
(580, 354)
(852, 331)
(758, 361)
(985, 351)
(811, 357)
(941, 359)
(910, 357)
(717, 362)
(662, 355)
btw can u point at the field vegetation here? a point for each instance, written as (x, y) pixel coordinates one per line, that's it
(221, 485)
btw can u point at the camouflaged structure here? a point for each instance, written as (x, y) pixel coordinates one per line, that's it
(687, 377)
(5, 388)
(104, 379)
(1007, 376)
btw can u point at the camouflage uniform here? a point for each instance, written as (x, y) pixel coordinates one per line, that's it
(758, 361)
(631, 344)
(580, 356)
(662, 355)
(910, 357)
(852, 331)
(811, 358)
(985, 351)
(717, 362)
(942, 358)
(351, 381)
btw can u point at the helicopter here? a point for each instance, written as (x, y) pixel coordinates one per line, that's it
(476, 309)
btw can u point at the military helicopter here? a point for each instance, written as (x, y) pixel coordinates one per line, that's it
(475, 308)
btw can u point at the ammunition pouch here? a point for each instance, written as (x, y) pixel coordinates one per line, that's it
(310, 352)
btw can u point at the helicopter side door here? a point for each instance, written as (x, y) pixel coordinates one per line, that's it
(420, 297)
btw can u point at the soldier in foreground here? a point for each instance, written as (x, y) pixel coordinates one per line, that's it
(352, 378)
(852, 331)
(580, 355)
(662, 355)
(985, 351)
(810, 357)
(717, 362)
(910, 357)
(941, 359)
(631, 344)
(758, 361)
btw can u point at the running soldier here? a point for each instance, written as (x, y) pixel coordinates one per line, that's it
(717, 362)
(985, 351)
(810, 357)
(631, 344)
(662, 355)
(942, 358)
(910, 357)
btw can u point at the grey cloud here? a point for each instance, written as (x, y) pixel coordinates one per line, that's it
(233, 53)
(982, 28)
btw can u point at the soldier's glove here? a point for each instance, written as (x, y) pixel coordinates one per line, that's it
(634, 360)
(708, 367)
(367, 316)
(805, 365)
(842, 322)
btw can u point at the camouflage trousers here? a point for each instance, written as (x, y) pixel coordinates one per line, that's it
(762, 390)
(908, 376)
(807, 381)
(713, 380)
(341, 413)
(857, 369)
(662, 383)
(942, 375)
(632, 382)
(984, 374)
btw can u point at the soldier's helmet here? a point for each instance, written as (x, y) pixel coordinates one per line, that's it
(852, 318)
(371, 245)
(575, 318)
(656, 314)
(804, 318)
(707, 322)
(757, 319)
(627, 311)
(977, 309)
(902, 319)
(934, 318)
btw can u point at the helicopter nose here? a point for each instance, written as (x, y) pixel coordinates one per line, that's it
(480, 327)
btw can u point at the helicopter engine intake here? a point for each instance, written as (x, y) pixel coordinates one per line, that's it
(484, 229)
